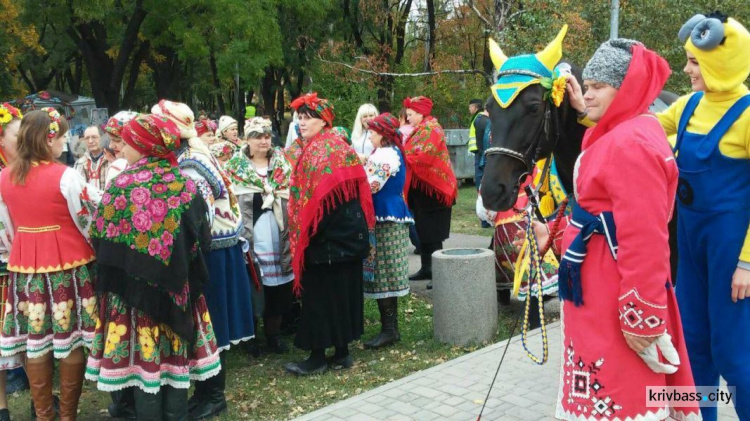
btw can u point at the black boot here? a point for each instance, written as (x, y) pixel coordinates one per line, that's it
(199, 395)
(174, 404)
(388, 324)
(272, 326)
(276, 345)
(425, 272)
(148, 405)
(123, 404)
(213, 401)
(341, 359)
(314, 364)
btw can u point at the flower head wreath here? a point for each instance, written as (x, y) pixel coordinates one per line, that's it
(54, 125)
(7, 114)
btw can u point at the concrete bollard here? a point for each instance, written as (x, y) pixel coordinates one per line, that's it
(464, 295)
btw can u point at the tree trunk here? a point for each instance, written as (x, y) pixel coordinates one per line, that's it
(430, 50)
(215, 78)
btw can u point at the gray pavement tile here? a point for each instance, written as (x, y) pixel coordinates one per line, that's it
(402, 408)
(344, 412)
(425, 415)
(426, 392)
(384, 414)
(526, 414)
(453, 401)
(517, 400)
(423, 402)
(368, 408)
(361, 417)
(453, 389)
(376, 398)
(444, 410)
(400, 417)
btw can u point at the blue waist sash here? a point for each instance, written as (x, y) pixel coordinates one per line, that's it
(569, 274)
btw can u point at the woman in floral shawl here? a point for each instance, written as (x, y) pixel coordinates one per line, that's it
(151, 232)
(260, 176)
(430, 183)
(330, 218)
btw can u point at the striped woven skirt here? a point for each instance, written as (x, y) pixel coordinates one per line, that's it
(391, 261)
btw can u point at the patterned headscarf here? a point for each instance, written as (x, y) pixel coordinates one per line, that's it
(387, 126)
(319, 105)
(420, 104)
(225, 122)
(222, 150)
(180, 114)
(257, 126)
(344, 132)
(153, 135)
(7, 114)
(202, 127)
(117, 122)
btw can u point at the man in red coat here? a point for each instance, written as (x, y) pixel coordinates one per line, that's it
(621, 325)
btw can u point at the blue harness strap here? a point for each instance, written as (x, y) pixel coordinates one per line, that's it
(569, 274)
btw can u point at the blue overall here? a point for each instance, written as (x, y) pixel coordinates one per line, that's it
(713, 217)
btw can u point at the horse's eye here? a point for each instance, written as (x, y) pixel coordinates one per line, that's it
(535, 108)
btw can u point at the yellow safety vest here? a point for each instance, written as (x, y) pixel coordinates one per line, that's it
(473, 135)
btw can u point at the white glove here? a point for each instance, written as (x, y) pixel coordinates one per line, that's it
(650, 355)
(485, 215)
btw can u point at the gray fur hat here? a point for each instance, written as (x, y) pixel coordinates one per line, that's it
(610, 62)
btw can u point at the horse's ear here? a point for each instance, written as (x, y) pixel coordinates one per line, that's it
(552, 53)
(496, 54)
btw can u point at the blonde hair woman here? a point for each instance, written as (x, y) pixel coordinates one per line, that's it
(360, 133)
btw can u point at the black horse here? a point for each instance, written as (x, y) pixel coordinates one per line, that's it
(530, 129)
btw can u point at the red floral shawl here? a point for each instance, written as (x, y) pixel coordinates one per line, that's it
(327, 173)
(429, 164)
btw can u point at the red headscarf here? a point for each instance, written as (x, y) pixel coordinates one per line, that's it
(387, 126)
(644, 80)
(319, 105)
(153, 135)
(201, 127)
(420, 104)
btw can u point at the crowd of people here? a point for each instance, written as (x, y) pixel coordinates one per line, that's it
(171, 239)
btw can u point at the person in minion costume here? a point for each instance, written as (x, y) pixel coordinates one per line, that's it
(712, 126)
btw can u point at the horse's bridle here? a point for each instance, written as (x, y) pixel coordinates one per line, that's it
(531, 155)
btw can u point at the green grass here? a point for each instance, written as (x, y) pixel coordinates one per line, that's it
(259, 389)
(464, 218)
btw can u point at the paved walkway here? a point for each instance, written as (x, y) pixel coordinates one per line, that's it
(455, 390)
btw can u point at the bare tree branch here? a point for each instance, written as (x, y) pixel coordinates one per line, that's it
(479, 14)
(487, 77)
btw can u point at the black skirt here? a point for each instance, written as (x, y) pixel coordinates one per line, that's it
(431, 218)
(332, 305)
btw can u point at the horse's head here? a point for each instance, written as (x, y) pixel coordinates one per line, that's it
(525, 120)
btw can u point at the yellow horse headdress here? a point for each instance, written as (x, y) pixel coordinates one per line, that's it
(518, 72)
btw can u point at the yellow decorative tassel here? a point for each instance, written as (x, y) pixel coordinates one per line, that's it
(547, 204)
(522, 264)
